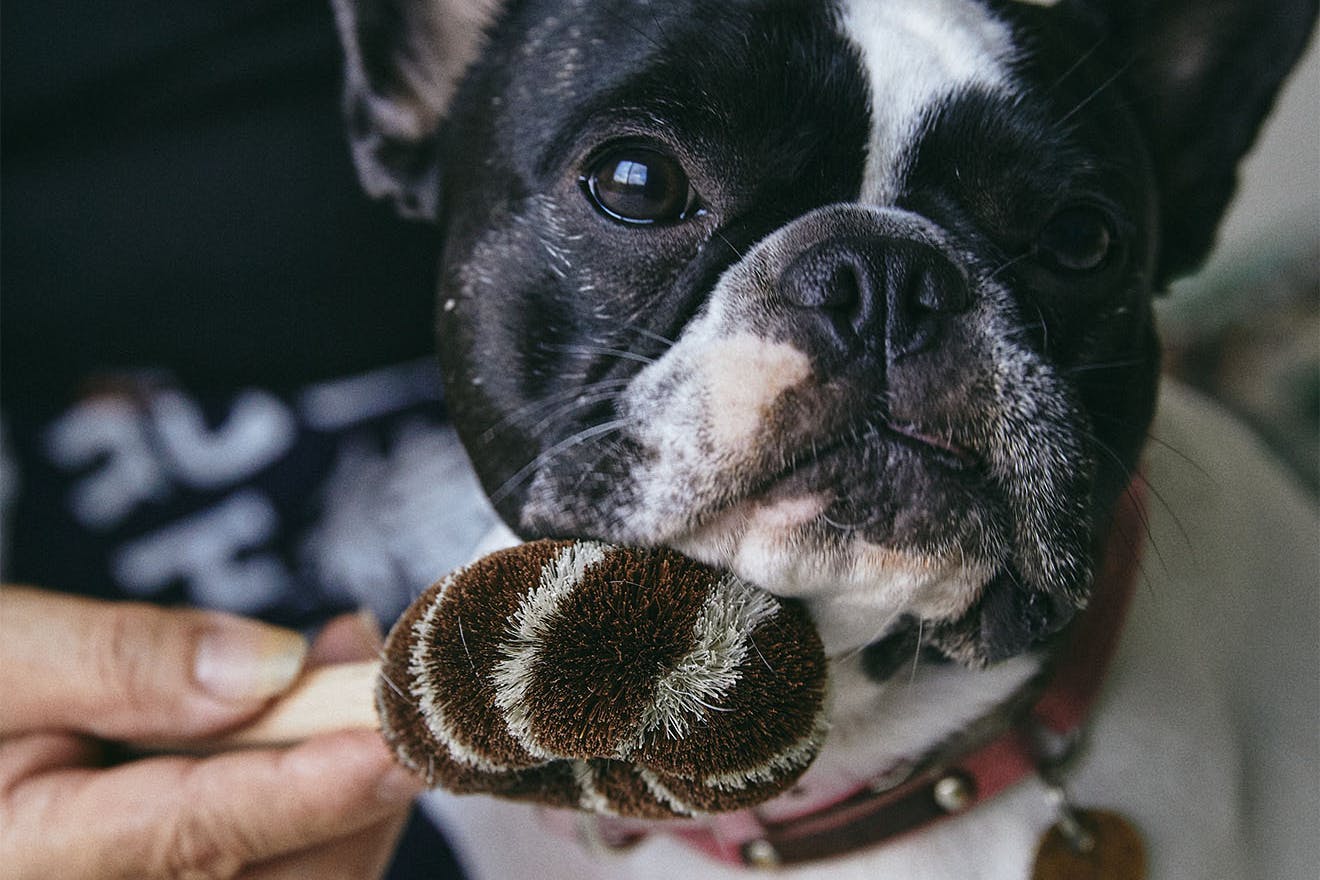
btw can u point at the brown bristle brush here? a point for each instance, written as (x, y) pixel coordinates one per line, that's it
(577, 674)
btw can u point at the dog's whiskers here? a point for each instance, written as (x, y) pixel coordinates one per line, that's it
(581, 402)
(1044, 328)
(878, 634)
(389, 682)
(650, 7)
(1186, 459)
(589, 351)
(632, 326)
(1130, 476)
(841, 526)
(612, 447)
(1100, 89)
(628, 23)
(916, 650)
(1005, 266)
(573, 398)
(1081, 59)
(729, 244)
(1105, 365)
(532, 467)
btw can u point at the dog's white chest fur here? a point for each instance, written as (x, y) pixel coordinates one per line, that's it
(1205, 733)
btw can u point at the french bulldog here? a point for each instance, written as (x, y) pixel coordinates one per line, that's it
(853, 298)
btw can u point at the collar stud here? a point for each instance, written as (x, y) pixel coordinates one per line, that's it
(761, 853)
(954, 793)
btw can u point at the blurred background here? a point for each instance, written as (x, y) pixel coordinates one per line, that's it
(1247, 327)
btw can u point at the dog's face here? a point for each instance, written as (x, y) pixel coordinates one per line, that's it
(852, 298)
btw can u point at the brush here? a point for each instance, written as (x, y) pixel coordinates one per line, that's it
(624, 681)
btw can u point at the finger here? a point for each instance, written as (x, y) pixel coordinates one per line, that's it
(347, 638)
(361, 856)
(171, 817)
(122, 670)
(27, 810)
(23, 757)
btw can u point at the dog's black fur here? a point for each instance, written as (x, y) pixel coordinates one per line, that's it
(1029, 234)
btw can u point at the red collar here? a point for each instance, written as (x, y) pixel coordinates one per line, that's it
(864, 817)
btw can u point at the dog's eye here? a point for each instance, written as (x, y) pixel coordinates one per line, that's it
(1079, 238)
(639, 185)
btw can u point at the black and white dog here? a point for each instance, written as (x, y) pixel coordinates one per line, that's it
(854, 298)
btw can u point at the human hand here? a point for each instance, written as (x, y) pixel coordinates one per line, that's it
(75, 673)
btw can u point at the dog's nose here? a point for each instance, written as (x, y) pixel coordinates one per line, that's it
(865, 292)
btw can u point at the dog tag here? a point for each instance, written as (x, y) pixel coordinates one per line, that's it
(1099, 845)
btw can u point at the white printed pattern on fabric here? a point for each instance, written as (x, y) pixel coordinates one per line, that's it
(395, 512)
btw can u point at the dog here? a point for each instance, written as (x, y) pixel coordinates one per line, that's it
(854, 298)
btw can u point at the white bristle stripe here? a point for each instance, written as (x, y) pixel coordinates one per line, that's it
(698, 684)
(796, 756)
(404, 755)
(590, 797)
(530, 627)
(429, 703)
(664, 796)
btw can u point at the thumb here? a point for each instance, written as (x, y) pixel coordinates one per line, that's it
(121, 670)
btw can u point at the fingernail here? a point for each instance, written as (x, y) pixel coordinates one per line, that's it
(370, 626)
(399, 786)
(244, 660)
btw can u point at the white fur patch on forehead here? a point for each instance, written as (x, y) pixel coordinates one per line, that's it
(918, 53)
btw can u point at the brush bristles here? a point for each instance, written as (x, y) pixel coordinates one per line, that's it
(618, 680)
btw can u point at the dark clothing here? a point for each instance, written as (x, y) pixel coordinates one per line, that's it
(214, 351)
(177, 192)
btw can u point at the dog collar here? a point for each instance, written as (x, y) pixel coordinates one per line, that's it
(874, 813)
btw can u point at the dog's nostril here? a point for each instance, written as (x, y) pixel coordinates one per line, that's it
(843, 291)
(866, 293)
(837, 286)
(941, 287)
(922, 298)
(823, 279)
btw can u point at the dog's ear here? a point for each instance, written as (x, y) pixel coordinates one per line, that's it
(403, 60)
(1201, 76)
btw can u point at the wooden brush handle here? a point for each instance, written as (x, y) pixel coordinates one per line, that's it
(324, 699)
